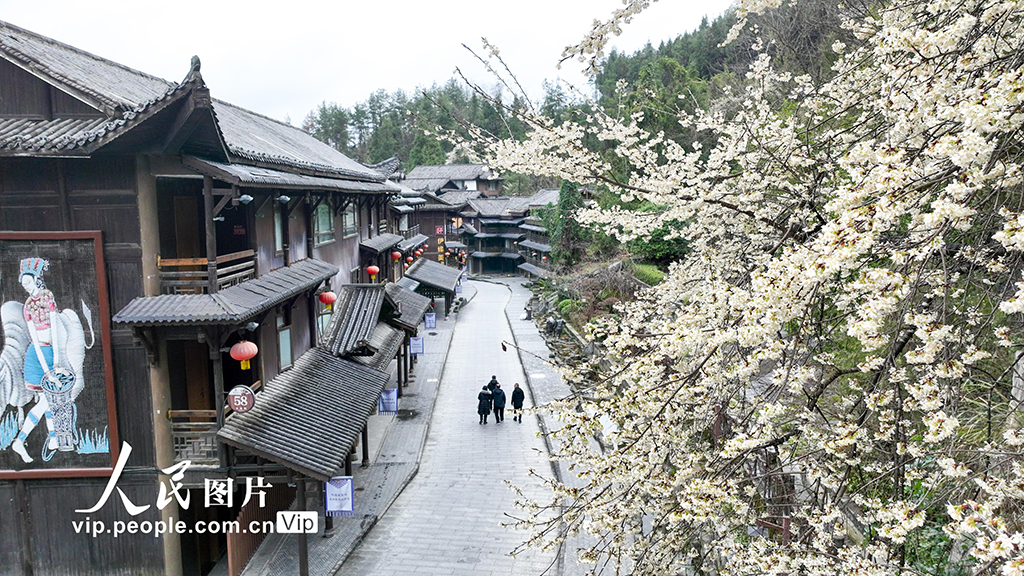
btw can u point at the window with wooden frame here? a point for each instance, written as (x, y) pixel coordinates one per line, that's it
(350, 219)
(284, 336)
(323, 223)
(323, 318)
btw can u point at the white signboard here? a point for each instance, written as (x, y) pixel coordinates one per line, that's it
(338, 496)
(388, 401)
(430, 320)
(416, 345)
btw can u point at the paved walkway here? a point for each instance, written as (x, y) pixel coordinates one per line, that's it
(449, 519)
(395, 447)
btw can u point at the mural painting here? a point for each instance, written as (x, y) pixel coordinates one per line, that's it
(55, 385)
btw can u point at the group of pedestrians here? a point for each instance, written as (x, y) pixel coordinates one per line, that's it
(492, 397)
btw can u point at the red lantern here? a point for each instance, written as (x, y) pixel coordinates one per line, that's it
(418, 253)
(426, 247)
(409, 260)
(405, 266)
(243, 351)
(545, 258)
(515, 243)
(396, 256)
(372, 271)
(328, 298)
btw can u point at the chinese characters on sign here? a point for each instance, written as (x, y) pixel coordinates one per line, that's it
(416, 346)
(338, 496)
(388, 401)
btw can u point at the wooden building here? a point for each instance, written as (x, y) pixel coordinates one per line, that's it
(169, 226)
(491, 230)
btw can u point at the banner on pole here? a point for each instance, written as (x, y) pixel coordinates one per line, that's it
(388, 401)
(416, 346)
(430, 320)
(338, 496)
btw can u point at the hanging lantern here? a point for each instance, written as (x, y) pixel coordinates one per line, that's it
(408, 259)
(545, 258)
(418, 253)
(396, 255)
(243, 351)
(405, 266)
(372, 271)
(426, 247)
(328, 298)
(515, 243)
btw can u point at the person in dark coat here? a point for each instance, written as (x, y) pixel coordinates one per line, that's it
(483, 406)
(492, 383)
(517, 403)
(499, 404)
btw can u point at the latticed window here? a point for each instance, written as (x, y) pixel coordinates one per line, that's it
(284, 336)
(323, 223)
(350, 220)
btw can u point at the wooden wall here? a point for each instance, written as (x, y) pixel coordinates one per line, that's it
(85, 194)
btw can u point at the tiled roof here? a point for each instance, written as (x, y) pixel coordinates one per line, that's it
(500, 221)
(412, 305)
(532, 228)
(434, 274)
(108, 86)
(535, 270)
(454, 244)
(257, 138)
(456, 198)
(384, 340)
(309, 417)
(450, 172)
(427, 184)
(484, 254)
(410, 243)
(230, 306)
(407, 283)
(355, 314)
(381, 242)
(124, 95)
(535, 246)
(468, 228)
(256, 177)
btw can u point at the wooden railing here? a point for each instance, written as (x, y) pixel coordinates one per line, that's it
(190, 275)
(195, 439)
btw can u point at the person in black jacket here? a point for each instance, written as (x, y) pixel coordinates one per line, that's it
(483, 405)
(517, 403)
(499, 404)
(492, 383)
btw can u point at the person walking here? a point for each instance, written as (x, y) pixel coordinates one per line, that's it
(483, 405)
(492, 383)
(517, 403)
(499, 404)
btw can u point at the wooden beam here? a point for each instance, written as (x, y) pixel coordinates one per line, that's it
(211, 234)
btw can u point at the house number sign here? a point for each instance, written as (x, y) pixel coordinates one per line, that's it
(241, 399)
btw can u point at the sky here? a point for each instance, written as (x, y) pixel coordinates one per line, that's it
(282, 59)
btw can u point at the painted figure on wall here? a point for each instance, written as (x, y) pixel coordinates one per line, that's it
(41, 362)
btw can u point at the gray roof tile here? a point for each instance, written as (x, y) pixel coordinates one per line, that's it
(355, 314)
(412, 305)
(384, 340)
(309, 417)
(381, 242)
(434, 274)
(230, 306)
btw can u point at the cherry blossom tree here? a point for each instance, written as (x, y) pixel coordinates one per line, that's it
(827, 382)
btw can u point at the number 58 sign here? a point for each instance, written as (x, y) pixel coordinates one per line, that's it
(241, 399)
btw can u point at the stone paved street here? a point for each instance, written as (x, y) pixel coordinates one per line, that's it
(449, 519)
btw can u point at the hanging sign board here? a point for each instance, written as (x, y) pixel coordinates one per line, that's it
(416, 346)
(458, 288)
(388, 401)
(430, 320)
(241, 399)
(338, 496)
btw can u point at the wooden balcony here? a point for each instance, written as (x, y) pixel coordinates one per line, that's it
(190, 275)
(194, 434)
(412, 231)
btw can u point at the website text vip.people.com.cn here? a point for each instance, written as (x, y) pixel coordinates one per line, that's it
(287, 522)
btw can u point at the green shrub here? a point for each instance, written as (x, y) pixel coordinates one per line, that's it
(648, 273)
